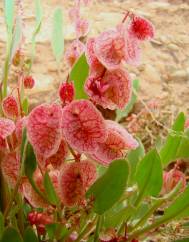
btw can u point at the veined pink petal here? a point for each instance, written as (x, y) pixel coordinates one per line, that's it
(7, 127)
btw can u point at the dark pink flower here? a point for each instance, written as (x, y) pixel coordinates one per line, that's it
(66, 92)
(7, 127)
(2, 144)
(171, 179)
(81, 27)
(109, 48)
(112, 90)
(10, 166)
(10, 107)
(58, 158)
(29, 82)
(83, 126)
(74, 51)
(44, 129)
(141, 28)
(88, 173)
(118, 141)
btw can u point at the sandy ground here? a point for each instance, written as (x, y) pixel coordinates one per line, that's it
(164, 69)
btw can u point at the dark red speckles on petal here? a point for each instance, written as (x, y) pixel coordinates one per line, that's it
(7, 127)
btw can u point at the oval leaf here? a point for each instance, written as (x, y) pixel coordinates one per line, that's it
(108, 189)
(30, 164)
(79, 74)
(9, 14)
(11, 235)
(29, 235)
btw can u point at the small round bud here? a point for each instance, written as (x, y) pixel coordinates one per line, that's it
(29, 82)
(10, 107)
(17, 58)
(66, 92)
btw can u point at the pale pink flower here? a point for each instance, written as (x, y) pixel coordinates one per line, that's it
(74, 51)
(74, 14)
(7, 127)
(58, 158)
(171, 179)
(10, 107)
(83, 126)
(109, 48)
(141, 28)
(187, 124)
(118, 141)
(29, 82)
(95, 65)
(66, 92)
(20, 124)
(81, 27)
(10, 166)
(88, 173)
(112, 90)
(44, 129)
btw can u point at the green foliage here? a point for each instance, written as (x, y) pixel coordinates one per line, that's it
(56, 231)
(29, 235)
(79, 74)
(50, 192)
(1, 224)
(11, 235)
(9, 14)
(25, 105)
(30, 164)
(109, 188)
(57, 41)
(38, 16)
(149, 175)
(124, 113)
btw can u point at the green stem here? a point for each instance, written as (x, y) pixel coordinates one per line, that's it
(98, 227)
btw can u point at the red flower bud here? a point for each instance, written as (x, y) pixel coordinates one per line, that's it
(29, 82)
(10, 107)
(66, 92)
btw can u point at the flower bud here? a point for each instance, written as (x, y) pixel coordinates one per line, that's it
(10, 107)
(29, 82)
(66, 92)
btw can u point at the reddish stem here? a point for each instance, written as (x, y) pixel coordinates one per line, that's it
(125, 17)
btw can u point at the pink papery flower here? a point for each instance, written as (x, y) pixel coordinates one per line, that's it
(30, 194)
(141, 28)
(20, 124)
(10, 166)
(44, 129)
(10, 107)
(87, 2)
(81, 27)
(111, 90)
(109, 48)
(74, 14)
(83, 126)
(7, 127)
(171, 179)
(58, 158)
(95, 65)
(186, 124)
(74, 51)
(118, 141)
(29, 82)
(66, 92)
(75, 179)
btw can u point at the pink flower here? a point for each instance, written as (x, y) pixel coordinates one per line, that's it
(109, 48)
(141, 28)
(58, 158)
(10, 166)
(117, 142)
(29, 82)
(2, 144)
(81, 27)
(66, 92)
(44, 129)
(187, 124)
(171, 179)
(74, 14)
(7, 127)
(94, 63)
(20, 124)
(75, 179)
(111, 90)
(74, 51)
(10, 107)
(83, 126)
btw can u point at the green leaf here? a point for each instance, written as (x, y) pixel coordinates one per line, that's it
(50, 192)
(17, 37)
(29, 235)
(30, 164)
(38, 16)
(79, 74)
(1, 224)
(9, 14)
(57, 35)
(109, 188)
(169, 151)
(183, 149)
(24, 140)
(124, 113)
(134, 156)
(57, 231)
(149, 175)
(25, 105)
(11, 235)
